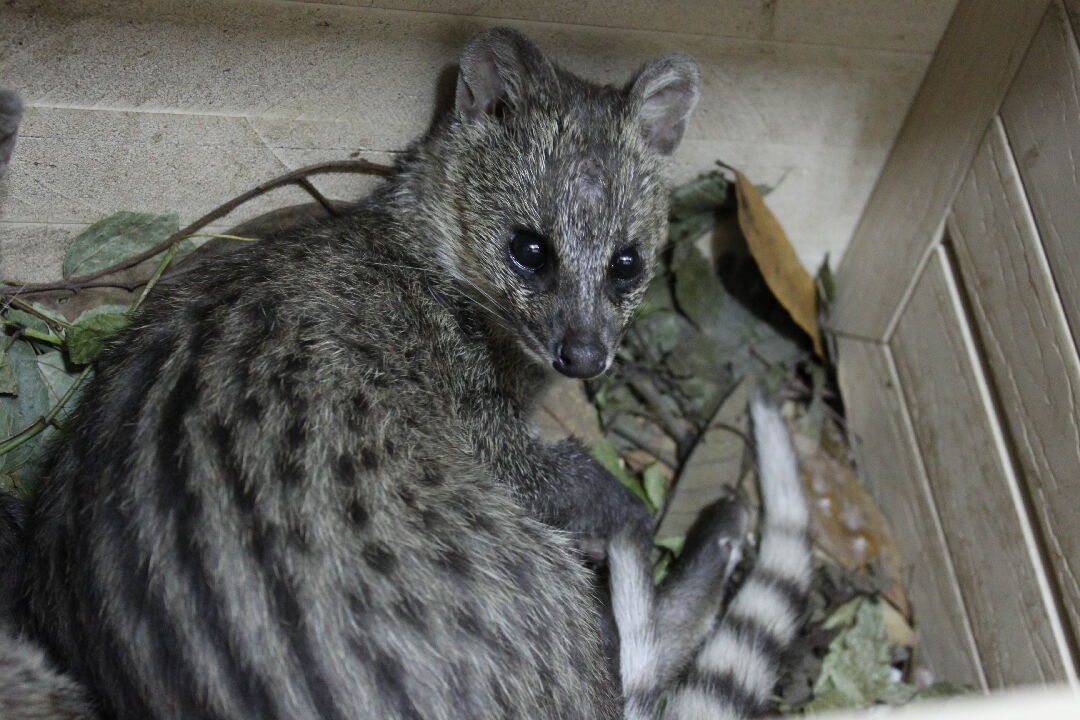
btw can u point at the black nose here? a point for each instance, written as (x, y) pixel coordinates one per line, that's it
(580, 356)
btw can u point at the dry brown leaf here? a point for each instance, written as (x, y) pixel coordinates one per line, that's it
(565, 411)
(714, 466)
(847, 523)
(780, 266)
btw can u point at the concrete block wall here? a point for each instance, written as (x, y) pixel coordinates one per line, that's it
(161, 106)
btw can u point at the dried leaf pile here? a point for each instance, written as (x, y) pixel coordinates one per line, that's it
(730, 306)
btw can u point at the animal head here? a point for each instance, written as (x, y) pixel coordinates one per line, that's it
(554, 201)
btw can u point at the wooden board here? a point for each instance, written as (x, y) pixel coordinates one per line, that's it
(1072, 7)
(890, 466)
(1030, 355)
(1042, 119)
(974, 65)
(973, 485)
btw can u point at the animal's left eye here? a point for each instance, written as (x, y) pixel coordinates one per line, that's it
(626, 265)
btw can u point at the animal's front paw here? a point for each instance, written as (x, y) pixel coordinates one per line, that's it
(597, 507)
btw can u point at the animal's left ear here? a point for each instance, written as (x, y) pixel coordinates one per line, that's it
(663, 94)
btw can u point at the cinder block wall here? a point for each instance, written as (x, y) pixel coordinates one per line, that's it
(161, 106)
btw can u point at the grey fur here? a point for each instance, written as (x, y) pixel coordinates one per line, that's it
(11, 112)
(725, 670)
(301, 484)
(738, 665)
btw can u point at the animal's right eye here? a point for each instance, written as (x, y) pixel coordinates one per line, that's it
(528, 250)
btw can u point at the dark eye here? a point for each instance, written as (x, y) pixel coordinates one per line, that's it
(626, 265)
(528, 250)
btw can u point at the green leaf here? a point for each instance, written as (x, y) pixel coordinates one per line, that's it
(689, 229)
(662, 330)
(857, 671)
(706, 194)
(826, 283)
(674, 543)
(86, 339)
(33, 322)
(662, 567)
(119, 237)
(19, 412)
(699, 355)
(655, 486)
(58, 380)
(8, 384)
(605, 454)
(698, 291)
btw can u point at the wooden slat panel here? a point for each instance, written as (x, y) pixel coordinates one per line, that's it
(1042, 119)
(890, 466)
(1028, 349)
(971, 479)
(1072, 7)
(974, 64)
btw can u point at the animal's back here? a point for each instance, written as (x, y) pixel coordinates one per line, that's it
(267, 507)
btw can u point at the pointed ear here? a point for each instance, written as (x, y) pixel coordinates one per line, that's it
(497, 67)
(664, 93)
(11, 109)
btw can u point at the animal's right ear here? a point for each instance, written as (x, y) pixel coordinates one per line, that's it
(497, 67)
(664, 93)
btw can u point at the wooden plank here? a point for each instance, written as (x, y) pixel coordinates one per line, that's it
(1042, 119)
(1029, 351)
(890, 466)
(1072, 7)
(974, 65)
(973, 486)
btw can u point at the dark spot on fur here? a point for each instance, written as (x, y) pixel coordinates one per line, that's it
(407, 495)
(345, 469)
(296, 433)
(482, 521)
(430, 478)
(454, 560)
(432, 519)
(361, 406)
(251, 409)
(389, 676)
(358, 514)
(379, 557)
(368, 459)
(469, 623)
(411, 611)
(300, 538)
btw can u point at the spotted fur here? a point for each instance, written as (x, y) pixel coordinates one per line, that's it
(302, 484)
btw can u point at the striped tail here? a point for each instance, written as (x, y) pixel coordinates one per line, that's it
(737, 668)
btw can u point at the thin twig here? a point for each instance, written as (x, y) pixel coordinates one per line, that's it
(48, 319)
(296, 176)
(319, 197)
(32, 333)
(675, 426)
(36, 427)
(169, 255)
